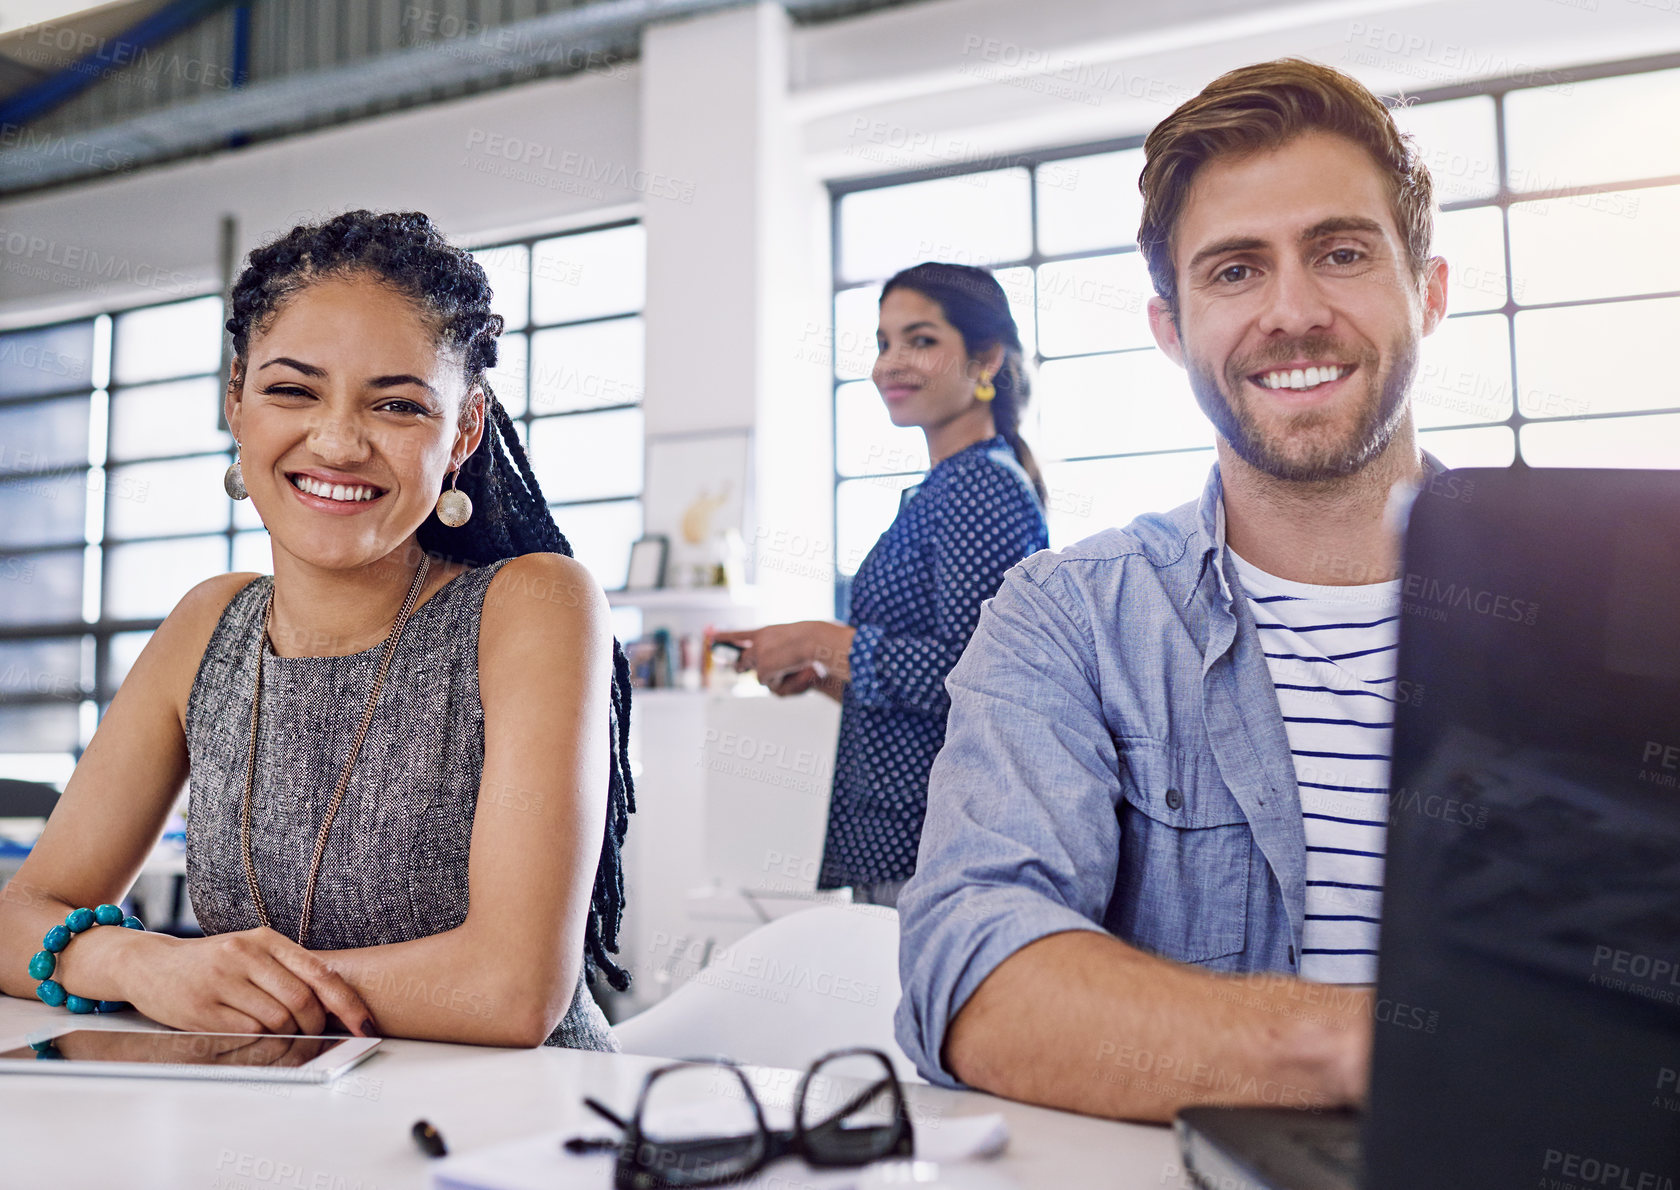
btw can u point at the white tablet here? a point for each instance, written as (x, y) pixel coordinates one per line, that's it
(231, 1057)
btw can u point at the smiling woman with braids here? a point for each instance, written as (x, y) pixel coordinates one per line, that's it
(406, 750)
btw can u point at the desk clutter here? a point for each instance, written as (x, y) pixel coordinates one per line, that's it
(661, 660)
(705, 1123)
(502, 1115)
(664, 660)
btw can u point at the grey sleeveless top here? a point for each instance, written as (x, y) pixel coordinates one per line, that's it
(395, 866)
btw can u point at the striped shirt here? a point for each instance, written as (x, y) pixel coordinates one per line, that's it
(1331, 652)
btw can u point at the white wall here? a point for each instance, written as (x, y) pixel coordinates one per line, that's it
(140, 238)
(738, 283)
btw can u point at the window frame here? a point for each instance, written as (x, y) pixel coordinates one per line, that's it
(1502, 199)
(527, 418)
(91, 690)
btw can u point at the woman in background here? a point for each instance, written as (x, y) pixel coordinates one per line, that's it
(424, 701)
(950, 364)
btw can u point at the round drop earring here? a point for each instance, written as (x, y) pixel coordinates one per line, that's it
(983, 389)
(233, 480)
(454, 507)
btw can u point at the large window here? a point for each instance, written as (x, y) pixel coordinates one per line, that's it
(1558, 213)
(571, 374)
(112, 452)
(111, 445)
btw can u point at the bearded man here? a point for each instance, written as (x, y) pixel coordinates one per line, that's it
(1151, 871)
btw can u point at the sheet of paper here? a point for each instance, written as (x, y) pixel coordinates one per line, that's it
(540, 1163)
(962, 1138)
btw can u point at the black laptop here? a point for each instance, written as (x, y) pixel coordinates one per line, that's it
(1528, 1020)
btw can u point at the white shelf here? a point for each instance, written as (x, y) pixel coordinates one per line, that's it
(728, 693)
(685, 599)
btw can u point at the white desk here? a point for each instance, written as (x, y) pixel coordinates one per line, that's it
(137, 1134)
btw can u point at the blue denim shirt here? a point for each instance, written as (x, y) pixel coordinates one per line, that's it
(1115, 760)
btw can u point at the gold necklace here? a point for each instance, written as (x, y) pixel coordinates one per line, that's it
(390, 648)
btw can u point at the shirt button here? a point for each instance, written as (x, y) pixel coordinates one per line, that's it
(1175, 799)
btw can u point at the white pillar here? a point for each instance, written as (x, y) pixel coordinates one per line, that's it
(737, 307)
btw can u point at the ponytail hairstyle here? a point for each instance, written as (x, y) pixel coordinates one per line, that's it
(510, 517)
(975, 304)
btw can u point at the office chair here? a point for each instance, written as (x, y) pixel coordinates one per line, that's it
(26, 799)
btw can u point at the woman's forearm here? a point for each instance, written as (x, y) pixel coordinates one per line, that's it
(454, 987)
(98, 964)
(26, 914)
(441, 988)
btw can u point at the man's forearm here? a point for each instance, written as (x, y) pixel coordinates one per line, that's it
(1082, 1021)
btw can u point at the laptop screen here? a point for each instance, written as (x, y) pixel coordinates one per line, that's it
(1531, 916)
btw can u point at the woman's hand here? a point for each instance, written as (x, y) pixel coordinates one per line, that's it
(811, 677)
(247, 981)
(796, 681)
(792, 658)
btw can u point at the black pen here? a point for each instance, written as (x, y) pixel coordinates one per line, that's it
(596, 1144)
(429, 1139)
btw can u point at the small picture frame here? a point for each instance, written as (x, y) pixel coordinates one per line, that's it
(647, 563)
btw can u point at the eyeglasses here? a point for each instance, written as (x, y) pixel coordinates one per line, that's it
(706, 1125)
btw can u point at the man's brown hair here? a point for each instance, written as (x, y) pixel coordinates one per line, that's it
(1262, 107)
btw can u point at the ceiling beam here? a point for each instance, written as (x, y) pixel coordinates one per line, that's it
(38, 99)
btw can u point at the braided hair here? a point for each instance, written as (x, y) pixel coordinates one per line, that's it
(976, 305)
(510, 517)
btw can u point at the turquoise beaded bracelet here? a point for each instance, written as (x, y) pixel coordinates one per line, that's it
(49, 991)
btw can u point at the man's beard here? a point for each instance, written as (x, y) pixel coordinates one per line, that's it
(1305, 447)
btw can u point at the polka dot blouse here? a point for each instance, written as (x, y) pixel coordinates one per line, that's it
(915, 602)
